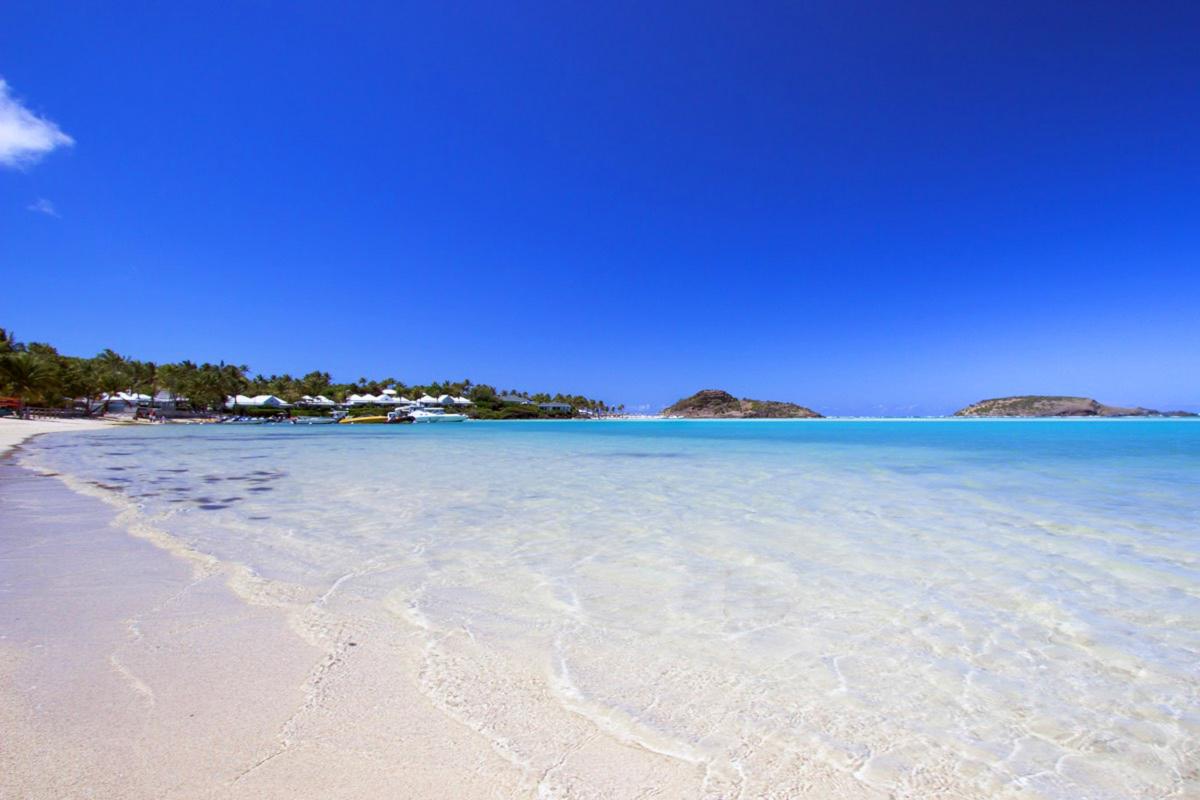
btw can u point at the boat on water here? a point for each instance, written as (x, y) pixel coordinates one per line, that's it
(430, 415)
(336, 416)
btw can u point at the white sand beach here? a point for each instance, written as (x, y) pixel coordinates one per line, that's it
(132, 671)
(596, 611)
(15, 431)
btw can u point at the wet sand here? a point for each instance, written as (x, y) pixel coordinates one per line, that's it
(127, 671)
(123, 673)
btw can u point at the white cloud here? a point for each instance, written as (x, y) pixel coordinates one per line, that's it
(24, 136)
(43, 206)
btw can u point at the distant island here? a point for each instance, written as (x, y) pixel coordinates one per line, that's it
(1056, 406)
(716, 404)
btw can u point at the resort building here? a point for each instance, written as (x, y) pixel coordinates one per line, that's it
(320, 401)
(258, 401)
(567, 407)
(120, 402)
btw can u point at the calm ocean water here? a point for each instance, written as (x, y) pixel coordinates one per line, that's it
(979, 608)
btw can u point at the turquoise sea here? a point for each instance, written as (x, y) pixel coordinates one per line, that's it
(959, 608)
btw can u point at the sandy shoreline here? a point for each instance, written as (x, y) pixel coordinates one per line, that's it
(128, 671)
(15, 431)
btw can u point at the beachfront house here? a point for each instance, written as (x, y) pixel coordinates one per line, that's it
(390, 397)
(168, 404)
(166, 401)
(258, 401)
(120, 402)
(426, 400)
(512, 398)
(320, 401)
(269, 401)
(563, 407)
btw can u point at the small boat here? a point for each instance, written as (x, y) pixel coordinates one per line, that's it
(363, 420)
(435, 415)
(313, 420)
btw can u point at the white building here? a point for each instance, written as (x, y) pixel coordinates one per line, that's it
(320, 401)
(121, 402)
(258, 401)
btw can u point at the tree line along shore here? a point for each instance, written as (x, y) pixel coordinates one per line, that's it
(41, 376)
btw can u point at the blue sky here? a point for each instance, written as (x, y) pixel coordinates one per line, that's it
(862, 207)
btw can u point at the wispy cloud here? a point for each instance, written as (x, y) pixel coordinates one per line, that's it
(24, 136)
(43, 206)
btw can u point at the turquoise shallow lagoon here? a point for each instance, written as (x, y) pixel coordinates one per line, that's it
(904, 608)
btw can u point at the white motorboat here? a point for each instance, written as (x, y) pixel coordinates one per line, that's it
(434, 415)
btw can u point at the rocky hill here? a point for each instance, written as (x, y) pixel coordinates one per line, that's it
(1053, 406)
(716, 404)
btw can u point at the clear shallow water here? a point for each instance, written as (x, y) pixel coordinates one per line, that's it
(974, 608)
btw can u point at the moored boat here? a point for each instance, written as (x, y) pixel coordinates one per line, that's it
(435, 415)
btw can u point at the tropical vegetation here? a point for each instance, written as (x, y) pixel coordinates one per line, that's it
(42, 376)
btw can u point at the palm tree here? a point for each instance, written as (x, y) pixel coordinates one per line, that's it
(78, 378)
(111, 373)
(25, 374)
(8, 342)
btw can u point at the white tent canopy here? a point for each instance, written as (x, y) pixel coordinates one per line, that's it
(462, 401)
(426, 400)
